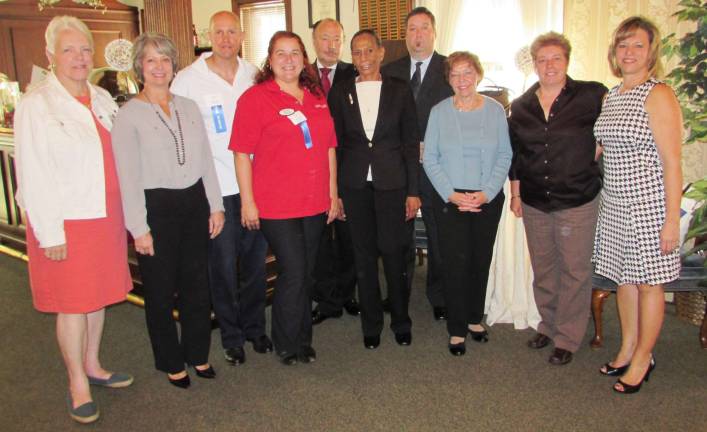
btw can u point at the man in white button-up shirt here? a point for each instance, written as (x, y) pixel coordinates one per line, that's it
(215, 81)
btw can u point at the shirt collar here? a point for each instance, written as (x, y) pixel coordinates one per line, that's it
(320, 66)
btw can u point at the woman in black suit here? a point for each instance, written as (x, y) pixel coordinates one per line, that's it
(378, 154)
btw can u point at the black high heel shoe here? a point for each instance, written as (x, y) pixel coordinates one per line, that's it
(628, 388)
(208, 373)
(457, 349)
(609, 370)
(481, 337)
(183, 382)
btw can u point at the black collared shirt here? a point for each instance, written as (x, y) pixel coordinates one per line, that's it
(554, 158)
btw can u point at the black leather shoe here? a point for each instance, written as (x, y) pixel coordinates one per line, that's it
(560, 357)
(261, 344)
(538, 341)
(481, 337)
(609, 370)
(440, 313)
(208, 373)
(318, 317)
(352, 308)
(183, 382)
(288, 359)
(457, 349)
(386, 305)
(307, 355)
(371, 342)
(404, 339)
(234, 356)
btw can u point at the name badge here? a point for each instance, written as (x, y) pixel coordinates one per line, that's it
(299, 119)
(218, 118)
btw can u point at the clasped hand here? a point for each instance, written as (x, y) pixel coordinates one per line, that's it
(468, 201)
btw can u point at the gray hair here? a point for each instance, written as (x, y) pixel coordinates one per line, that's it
(65, 22)
(162, 44)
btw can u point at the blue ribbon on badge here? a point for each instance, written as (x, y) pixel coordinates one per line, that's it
(307, 136)
(218, 118)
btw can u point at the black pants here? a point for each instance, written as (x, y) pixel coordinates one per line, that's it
(466, 246)
(378, 228)
(177, 276)
(294, 242)
(334, 272)
(434, 283)
(237, 278)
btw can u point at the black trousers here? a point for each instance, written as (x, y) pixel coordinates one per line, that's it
(378, 228)
(434, 283)
(177, 276)
(466, 246)
(334, 272)
(237, 278)
(294, 242)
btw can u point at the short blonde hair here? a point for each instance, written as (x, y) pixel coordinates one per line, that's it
(628, 28)
(464, 57)
(65, 22)
(550, 39)
(162, 44)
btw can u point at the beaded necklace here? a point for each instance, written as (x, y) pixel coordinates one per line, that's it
(178, 144)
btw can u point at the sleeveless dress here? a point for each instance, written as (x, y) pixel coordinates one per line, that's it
(632, 206)
(95, 272)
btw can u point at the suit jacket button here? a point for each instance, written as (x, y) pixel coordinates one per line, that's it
(370, 145)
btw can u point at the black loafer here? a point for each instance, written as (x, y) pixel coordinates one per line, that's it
(318, 317)
(560, 357)
(261, 344)
(403, 339)
(538, 341)
(208, 373)
(457, 349)
(352, 308)
(288, 359)
(371, 342)
(307, 355)
(234, 356)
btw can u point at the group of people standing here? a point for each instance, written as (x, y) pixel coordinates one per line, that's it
(328, 163)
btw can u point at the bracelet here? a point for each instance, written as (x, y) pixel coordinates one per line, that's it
(515, 196)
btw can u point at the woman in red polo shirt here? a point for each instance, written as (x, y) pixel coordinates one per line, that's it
(283, 139)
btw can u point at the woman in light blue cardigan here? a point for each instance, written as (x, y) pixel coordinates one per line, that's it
(467, 156)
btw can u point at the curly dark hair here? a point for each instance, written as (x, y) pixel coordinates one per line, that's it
(307, 78)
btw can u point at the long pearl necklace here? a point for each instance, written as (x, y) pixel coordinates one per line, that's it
(178, 144)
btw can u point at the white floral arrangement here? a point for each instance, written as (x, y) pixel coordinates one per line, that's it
(524, 61)
(41, 4)
(118, 54)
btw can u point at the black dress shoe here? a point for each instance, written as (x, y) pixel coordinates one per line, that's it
(261, 344)
(183, 382)
(288, 359)
(386, 305)
(439, 313)
(234, 356)
(404, 339)
(371, 342)
(481, 337)
(560, 357)
(318, 317)
(352, 308)
(538, 341)
(457, 349)
(208, 373)
(307, 355)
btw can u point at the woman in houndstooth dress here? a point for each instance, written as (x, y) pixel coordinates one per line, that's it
(637, 235)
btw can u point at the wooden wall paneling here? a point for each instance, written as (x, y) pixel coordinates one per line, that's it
(386, 17)
(173, 18)
(22, 29)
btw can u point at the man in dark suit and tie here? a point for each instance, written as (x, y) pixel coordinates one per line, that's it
(334, 272)
(423, 69)
(378, 163)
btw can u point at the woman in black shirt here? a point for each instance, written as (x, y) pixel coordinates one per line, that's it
(554, 187)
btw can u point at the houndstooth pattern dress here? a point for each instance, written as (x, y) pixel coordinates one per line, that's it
(632, 206)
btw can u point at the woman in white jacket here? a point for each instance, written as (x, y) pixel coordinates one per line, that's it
(69, 191)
